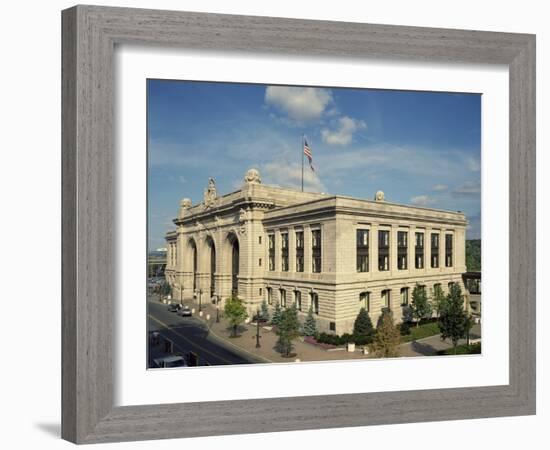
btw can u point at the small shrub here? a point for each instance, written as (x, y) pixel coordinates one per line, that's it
(405, 328)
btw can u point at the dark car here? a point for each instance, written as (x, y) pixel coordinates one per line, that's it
(174, 307)
(185, 311)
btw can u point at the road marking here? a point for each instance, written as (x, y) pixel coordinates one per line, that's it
(189, 340)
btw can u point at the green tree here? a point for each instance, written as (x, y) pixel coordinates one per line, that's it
(453, 321)
(310, 324)
(420, 306)
(438, 299)
(362, 327)
(264, 314)
(387, 337)
(469, 323)
(288, 329)
(165, 288)
(473, 255)
(276, 318)
(235, 312)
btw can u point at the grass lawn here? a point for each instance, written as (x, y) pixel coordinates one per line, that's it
(421, 331)
(463, 350)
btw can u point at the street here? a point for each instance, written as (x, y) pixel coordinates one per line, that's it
(188, 334)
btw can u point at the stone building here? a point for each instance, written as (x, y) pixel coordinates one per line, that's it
(333, 253)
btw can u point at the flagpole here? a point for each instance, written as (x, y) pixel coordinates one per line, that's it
(302, 162)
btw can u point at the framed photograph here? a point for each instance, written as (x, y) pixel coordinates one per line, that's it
(318, 224)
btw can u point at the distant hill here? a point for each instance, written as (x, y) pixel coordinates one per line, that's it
(473, 255)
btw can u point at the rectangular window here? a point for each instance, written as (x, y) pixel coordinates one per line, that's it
(448, 250)
(269, 296)
(299, 251)
(284, 252)
(402, 242)
(259, 240)
(404, 296)
(282, 294)
(316, 250)
(332, 326)
(383, 250)
(260, 291)
(386, 298)
(298, 300)
(271, 240)
(435, 250)
(362, 250)
(364, 300)
(314, 302)
(419, 250)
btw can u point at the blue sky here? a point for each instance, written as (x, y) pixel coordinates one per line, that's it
(420, 148)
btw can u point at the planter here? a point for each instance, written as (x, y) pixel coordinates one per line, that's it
(351, 347)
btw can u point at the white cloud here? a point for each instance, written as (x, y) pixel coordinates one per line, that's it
(182, 179)
(468, 189)
(299, 103)
(422, 200)
(343, 134)
(440, 187)
(284, 174)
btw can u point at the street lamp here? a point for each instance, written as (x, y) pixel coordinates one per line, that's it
(200, 300)
(181, 293)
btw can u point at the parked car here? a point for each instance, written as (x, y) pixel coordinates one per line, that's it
(185, 311)
(170, 361)
(174, 307)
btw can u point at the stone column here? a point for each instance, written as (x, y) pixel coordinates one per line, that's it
(307, 249)
(393, 250)
(442, 250)
(277, 235)
(292, 250)
(373, 248)
(410, 248)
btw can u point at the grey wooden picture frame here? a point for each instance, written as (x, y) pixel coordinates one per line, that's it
(90, 34)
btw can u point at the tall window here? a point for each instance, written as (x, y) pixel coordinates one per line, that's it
(284, 252)
(419, 250)
(269, 296)
(282, 294)
(383, 250)
(299, 251)
(271, 240)
(362, 250)
(448, 250)
(314, 302)
(435, 250)
(316, 250)
(405, 296)
(364, 300)
(402, 242)
(298, 300)
(386, 298)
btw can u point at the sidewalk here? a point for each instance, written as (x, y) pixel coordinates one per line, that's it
(246, 342)
(429, 346)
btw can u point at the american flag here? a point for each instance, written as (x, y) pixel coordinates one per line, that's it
(307, 152)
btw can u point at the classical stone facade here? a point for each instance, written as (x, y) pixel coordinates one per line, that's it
(333, 253)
